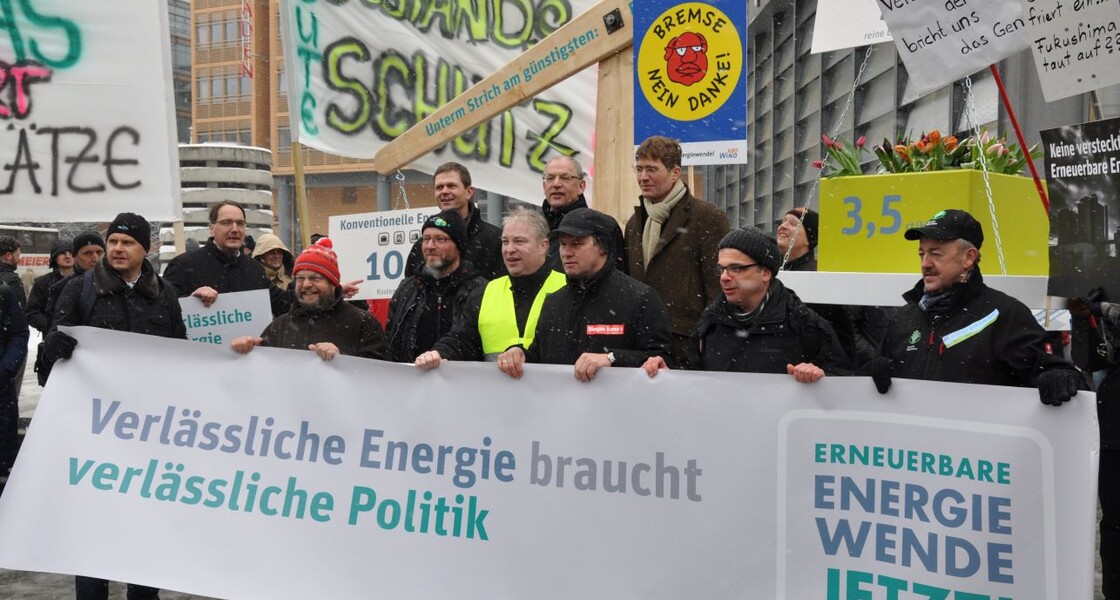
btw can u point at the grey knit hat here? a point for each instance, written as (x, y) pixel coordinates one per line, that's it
(761, 247)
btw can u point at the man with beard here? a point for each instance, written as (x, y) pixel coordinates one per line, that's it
(564, 184)
(504, 312)
(320, 320)
(127, 295)
(759, 326)
(220, 267)
(956, 328)
(426, 306)
(482, 246)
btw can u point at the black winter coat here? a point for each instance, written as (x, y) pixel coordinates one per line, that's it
(555, 217)
(209, 266)
(984, 337)
(785, 332)
(410, 301)
(483, 252)
(354, 331)
(9, 276)
(609, 312)
(38, 309)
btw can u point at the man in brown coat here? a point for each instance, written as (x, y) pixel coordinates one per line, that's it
(672, 239)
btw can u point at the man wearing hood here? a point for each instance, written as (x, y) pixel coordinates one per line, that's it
(38, 301)
(671, 238)
(956, 328)
(320, 320)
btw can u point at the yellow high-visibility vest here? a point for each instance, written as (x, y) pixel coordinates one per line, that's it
(497, 318)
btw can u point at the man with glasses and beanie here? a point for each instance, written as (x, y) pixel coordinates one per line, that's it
(321, 320)
(123, 293)
(758, 325)
(220, 267)
(671, 238)
(956, 328)
(427, 305)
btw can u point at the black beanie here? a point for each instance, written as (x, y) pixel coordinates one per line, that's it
(87, 238)
(762, 248)
(59, 248)
(450, 223)
(810, 223)
(134, 226)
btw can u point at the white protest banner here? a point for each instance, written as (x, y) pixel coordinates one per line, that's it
(841, 24)
(232, 315)
(374, 247)
(356, 478)
(362, 73)
(86, 111)
(943, 41)
(1075, 45)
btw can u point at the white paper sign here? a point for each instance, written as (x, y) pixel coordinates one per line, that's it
(942, 41)
(232, 315)
(841, 24)
(362, 73)
(1076, 45)
(374, 247)
(87, 124)
(279, 475)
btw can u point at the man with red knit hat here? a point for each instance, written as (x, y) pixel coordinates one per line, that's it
(321, 320)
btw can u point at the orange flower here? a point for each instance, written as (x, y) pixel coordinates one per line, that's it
(934, 137)
(951, 143)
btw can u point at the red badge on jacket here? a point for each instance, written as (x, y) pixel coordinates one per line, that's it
(606, 329)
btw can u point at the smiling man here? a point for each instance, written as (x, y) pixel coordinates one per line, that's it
(124, 293)
(321, 320)
(759, 326)
(503, 313)
(955, 328)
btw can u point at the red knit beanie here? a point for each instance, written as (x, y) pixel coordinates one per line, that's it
(320, 257)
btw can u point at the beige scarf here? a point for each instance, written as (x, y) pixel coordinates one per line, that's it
(658, 214)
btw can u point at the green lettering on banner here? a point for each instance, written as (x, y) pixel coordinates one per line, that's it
(32, 45)
(391, 65)
(334, 55)
(561, 115)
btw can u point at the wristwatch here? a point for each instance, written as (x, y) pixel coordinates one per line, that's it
(610, 357)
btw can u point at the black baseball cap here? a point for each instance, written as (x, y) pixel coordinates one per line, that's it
(947, 225)
(583, 222)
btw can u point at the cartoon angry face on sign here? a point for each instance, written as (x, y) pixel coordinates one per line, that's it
(686, 58)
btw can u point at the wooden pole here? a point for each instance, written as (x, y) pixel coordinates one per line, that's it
(614, 187)
(301, 195)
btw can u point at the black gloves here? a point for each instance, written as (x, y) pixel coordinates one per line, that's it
(57, 346)
(880, 369)
(1058, 386)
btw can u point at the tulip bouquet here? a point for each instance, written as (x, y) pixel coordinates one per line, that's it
(930, 152)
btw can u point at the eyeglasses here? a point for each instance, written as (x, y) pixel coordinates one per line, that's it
(647, 170)
(438, 240)
(311, 278)
(733, 269)
(563, 177)
(231, 223)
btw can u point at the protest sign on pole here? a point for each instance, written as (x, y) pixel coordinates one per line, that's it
(232, 315)
(354, 477)
(86, 111)
(1075, 45)
(373, 248)
(690, 77)
(353, 92)
(1082, 174)
(941, 42)
(841, 24)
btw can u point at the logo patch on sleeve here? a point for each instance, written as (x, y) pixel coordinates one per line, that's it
(606, 329)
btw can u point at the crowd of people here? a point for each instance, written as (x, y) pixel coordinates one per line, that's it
(675, 287)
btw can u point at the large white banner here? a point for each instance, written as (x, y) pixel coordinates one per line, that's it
(1075, 45)
(87, 126)
(362, 73)
(277, 475)
(841, 24)
(943, 41)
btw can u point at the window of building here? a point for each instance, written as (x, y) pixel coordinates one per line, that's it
(202, 31)
(203, 89)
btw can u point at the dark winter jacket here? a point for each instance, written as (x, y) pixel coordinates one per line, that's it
(483, 251)
(555, 217)
(682, 266)
(785, 332)
(38, 307)
(608, 312)
(149, 307)
(9, 276)
(13, 337)
(411, 301)
(984, 336)
(354, 331)
(209, 266)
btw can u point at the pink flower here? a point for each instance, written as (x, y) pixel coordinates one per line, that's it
(819, 164)
(826, 141)
(861, 141)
